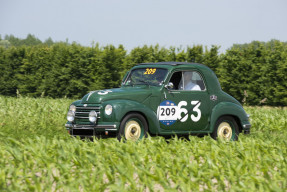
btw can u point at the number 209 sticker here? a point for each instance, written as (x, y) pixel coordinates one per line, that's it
(168, 112)
(150, 71)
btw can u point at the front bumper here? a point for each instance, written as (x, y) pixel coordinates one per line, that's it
(246, 128)
(86, 130)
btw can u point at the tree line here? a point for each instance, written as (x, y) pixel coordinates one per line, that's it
(30, 40)
(253, 73)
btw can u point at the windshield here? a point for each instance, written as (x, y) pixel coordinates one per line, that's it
(146, 76)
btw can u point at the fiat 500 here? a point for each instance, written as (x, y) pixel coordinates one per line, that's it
(164, 98)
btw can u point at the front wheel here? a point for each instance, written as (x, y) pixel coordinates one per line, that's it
(226, 128)
(133, 127)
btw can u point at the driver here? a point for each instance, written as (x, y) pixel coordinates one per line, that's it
(187, 83)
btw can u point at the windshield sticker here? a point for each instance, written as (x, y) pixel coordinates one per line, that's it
(150, 71)
(168, 112)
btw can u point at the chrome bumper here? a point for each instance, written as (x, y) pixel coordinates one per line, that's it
(246, 128)
(106, 127)
(89, 131)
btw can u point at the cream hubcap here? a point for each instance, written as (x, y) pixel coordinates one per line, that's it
(224, 131)
(132, 130)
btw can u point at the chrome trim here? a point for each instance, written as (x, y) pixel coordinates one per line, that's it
(86, 113)
(213, 97)
(247, 126)
(90, 95)
(79, 117)
(83, 128)
(107, 129)
(94, 126)
(169, 85)
(110, 129)
(68, 125)
(88, 108)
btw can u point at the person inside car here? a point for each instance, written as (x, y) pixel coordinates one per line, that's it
(187, 84)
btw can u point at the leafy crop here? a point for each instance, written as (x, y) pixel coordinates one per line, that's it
(38, 155)
(25, 117)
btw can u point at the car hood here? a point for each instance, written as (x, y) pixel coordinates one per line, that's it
(130, 93)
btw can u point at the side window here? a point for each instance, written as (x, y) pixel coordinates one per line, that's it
(187, 80)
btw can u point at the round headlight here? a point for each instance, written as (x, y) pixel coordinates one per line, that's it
(93, 116)
(108, 109)
(71, 116)
(72, 108)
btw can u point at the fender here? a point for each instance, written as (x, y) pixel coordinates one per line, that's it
(227, 108)
(123, 107)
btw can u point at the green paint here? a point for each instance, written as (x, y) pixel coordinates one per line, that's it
(167, 111)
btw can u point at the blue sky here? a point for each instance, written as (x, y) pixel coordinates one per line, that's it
(137, 22)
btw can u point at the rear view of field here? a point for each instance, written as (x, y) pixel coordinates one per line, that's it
(36, 154)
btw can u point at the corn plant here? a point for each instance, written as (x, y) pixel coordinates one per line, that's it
(38, 155)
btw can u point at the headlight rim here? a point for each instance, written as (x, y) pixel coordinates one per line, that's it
(108, 109)
(94, 115)
(71, 114)
(72, 108)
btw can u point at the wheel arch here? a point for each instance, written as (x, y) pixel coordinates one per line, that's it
(237, 120)
(138, 112)
(124, 107)
(228, 109)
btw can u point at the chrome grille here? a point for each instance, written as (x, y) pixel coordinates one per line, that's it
(82, 113)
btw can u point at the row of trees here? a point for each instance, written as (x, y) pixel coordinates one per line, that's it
(256, 73)
(30, 40)
(253, 73)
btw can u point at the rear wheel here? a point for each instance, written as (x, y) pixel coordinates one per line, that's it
(226, 128)
(133, 127)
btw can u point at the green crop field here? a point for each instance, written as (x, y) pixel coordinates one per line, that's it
(36, 154)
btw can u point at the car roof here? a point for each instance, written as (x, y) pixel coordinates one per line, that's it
(209, 75)
(170, 63)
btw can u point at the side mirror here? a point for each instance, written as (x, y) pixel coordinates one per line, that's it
(127, 83)
(169, 85)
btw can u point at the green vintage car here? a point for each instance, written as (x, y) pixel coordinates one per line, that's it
(164, 98)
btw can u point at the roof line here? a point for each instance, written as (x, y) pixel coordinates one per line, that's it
(170, 63)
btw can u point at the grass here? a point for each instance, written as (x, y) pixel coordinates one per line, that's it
(36, 154)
